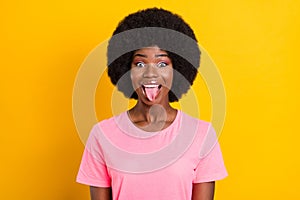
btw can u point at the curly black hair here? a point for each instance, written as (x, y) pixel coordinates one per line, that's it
(154, 27)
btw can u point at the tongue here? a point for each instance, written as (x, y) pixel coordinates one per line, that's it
(151, 92)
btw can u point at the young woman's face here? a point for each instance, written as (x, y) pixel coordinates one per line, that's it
(151, 74)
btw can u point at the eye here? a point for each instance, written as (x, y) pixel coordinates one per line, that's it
(140, 64)
(162, 64)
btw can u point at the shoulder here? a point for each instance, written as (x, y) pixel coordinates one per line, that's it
(202, 126)
(109, 124)
(102, 130)
(205, 137)
(111, 120)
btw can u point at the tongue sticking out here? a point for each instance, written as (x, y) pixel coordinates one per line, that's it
(151, 91)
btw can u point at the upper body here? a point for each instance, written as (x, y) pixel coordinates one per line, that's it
(161, 165)
(152, 151)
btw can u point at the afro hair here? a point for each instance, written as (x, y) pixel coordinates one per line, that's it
(154, 27)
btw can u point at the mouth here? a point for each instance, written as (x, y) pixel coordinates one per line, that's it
(151, 91)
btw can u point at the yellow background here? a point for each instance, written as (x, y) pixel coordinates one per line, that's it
(255, 44)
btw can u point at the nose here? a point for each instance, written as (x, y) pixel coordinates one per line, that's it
(150, 71)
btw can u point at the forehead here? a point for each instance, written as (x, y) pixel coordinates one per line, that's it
(155, 50)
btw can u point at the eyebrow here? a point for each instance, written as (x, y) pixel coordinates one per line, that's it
(156, 56)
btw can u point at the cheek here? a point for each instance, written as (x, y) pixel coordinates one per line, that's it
(168, 76)
(134, 76)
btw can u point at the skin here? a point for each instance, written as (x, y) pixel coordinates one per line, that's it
(150, 65)
(203, 191)
(99, 193)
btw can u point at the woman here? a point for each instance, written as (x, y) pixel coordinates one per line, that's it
(152, 151)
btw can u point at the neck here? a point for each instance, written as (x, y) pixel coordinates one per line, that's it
(152, 113)
(152, 117)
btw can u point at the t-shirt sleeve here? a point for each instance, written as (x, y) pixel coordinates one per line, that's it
(92, 170)
(211, 165)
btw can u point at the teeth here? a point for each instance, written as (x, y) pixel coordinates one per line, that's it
(150, 86)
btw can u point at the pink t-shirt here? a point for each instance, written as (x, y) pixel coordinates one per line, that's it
(144, 165)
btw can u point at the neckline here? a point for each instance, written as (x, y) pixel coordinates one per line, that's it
(131, 129)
